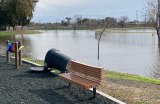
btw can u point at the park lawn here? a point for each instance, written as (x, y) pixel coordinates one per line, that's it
(8, 33)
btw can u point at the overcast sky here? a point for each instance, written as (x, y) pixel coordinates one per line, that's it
(57, 10)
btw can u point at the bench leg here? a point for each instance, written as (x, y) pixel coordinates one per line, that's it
(94, 92)
(69, 84)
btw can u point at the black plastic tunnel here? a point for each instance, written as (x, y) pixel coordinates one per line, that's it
(57, 60)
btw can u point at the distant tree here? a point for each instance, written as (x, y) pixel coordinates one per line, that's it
(122, 21)
(68, 20)
(62, 22)
(24, 11)
(16, 12)
(11, 13)
(110, 21)
(95, 22)
(85, 20)
(98, 22)
(79, 20)
(3, 18)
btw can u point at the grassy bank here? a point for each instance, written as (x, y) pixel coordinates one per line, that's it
(115, 75)
(40, 62)
(8, 33)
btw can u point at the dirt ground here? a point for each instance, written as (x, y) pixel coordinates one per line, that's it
(131, 92)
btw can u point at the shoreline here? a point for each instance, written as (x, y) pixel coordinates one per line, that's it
(9, 33)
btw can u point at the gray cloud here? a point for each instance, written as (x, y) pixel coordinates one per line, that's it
(53, 10)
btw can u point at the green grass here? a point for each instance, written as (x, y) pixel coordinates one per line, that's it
(111, 74)
(40, 62)
(8, 33)
(28, 32)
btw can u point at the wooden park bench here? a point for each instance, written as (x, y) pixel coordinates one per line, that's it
(85, 76)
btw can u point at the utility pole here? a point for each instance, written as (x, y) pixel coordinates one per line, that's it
(137, 17)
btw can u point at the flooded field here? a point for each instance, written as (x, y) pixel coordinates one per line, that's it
(128, 51)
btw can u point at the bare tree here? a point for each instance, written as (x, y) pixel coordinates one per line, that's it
(151, 12)
(122, 20)
(110, 21)
(68, 20)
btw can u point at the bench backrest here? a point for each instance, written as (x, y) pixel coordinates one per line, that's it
(86, 70)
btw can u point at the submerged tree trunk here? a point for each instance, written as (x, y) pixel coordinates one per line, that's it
(158, 34)
(8, 27)
(22, 27)
(14, 27)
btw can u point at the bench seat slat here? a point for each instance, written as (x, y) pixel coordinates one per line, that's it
(78, 80)
(86, 77)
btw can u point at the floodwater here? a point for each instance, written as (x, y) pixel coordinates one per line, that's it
(127, 51)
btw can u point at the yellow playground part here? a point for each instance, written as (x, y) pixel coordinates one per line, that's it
(20, 48)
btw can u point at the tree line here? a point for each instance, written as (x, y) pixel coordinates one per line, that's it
(92, 23)
(16, 12)
(108, 22)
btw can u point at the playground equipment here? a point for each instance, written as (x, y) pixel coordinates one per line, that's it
(55, 59)
(14, 47)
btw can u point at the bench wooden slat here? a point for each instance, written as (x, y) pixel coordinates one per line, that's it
(78, 80)
(87, 71)
(86, 77)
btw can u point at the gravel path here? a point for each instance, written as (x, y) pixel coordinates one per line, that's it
(25, 87)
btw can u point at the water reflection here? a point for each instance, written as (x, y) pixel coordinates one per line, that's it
(156, 64)
(131, 38)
